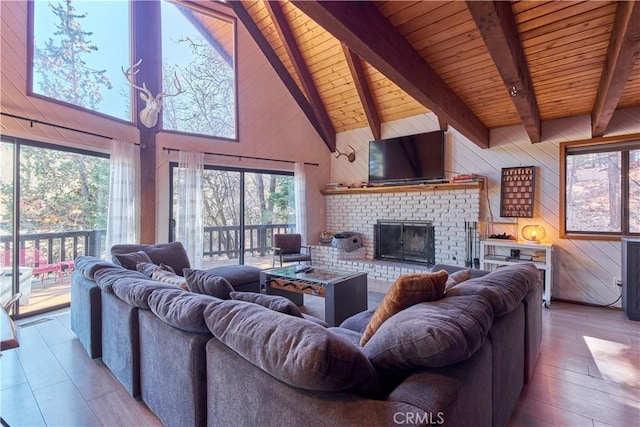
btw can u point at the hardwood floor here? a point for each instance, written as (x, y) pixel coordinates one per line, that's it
(588, 374)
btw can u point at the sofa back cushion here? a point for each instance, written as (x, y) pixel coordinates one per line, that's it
(105, 277)
(272, 302)
(433, 334)
(293, 350)
(87, 266)
(407, 290)
(172, 254)
(136, 292)
(207, 283)
(504, 288)
(181, 309)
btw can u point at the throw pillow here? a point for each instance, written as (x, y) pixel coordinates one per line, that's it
(457, 277)
(147, 268)
(131, 259)
(408, 290)
(207, 283)
(272, 302)
(168, 268)
(169, 278)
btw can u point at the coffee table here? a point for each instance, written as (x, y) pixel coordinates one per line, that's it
(345, 293)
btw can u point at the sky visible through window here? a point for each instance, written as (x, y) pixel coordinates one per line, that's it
(208, 104)
(108, 21)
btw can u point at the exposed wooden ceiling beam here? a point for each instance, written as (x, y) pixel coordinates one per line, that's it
(624, 46)
(309, 86)
(499, 30)
(280, 69)
(366, 98)
(443, 125)
(371, 36)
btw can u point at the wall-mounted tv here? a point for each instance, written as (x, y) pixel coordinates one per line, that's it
(407, 158)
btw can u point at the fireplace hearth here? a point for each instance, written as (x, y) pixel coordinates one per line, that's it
(405, 241)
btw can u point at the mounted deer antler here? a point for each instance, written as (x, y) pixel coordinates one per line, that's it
(350, 156)
(149, 114)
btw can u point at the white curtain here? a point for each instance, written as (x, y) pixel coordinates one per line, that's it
(123, 225)
(300, 190)
(189, 219)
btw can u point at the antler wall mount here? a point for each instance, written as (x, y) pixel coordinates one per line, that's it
(149, 114)
(350, 156)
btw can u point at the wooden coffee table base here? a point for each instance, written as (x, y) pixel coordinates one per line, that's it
(342, 298)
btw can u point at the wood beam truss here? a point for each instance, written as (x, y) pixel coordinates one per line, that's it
(306, 79)
(498, 28)
(364, 92)
(362, 27)
(624, 46)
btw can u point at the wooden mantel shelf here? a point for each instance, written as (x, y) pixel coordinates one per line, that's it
(406, 188)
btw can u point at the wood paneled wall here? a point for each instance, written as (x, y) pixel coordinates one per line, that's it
(271, 124)
(584, 269)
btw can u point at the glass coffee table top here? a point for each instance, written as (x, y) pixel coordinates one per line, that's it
(312, 274)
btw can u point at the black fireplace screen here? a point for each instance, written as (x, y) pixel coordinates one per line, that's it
(405, 241)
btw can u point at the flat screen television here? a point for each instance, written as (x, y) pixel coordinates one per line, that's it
(407, 158)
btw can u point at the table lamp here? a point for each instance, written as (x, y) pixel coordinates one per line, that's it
(533, 233)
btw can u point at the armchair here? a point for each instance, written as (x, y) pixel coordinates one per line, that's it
(288, 248)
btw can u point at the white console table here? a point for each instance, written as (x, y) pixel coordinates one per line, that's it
(494, 253)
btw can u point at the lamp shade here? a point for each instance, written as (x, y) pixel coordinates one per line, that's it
(533, 233)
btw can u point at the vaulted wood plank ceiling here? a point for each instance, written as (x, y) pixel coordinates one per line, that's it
(477, 65)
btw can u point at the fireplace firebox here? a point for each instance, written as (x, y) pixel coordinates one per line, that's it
(405, 241)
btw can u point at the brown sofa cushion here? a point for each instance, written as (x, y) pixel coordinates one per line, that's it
(408, 290)
(293, 350)
(431, 334)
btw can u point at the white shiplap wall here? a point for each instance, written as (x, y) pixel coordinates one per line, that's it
(584, 269)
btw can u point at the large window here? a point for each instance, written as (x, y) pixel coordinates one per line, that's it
(200, 50)
(76, 56)
(53, 208)
(601, 189)
(242, 211)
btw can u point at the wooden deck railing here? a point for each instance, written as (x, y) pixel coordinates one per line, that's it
(218, 241)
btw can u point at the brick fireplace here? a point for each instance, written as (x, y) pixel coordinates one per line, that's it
(445, 206)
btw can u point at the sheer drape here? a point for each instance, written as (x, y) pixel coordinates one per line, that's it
(122, 219)
(189, 221)
(300, 190)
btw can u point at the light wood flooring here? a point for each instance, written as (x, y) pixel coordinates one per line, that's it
(588, 374)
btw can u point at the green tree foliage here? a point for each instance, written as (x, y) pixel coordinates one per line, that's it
(59, 191)
(61, 65)
(207, 106)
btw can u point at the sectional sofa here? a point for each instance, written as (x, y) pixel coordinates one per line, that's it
(197, 360)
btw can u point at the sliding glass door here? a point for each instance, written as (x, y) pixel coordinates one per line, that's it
(242, 211)
(53, 208)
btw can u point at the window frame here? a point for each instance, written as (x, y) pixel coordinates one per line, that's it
(30, 52)
(234, 21)
(596, 143)
(173, 165)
